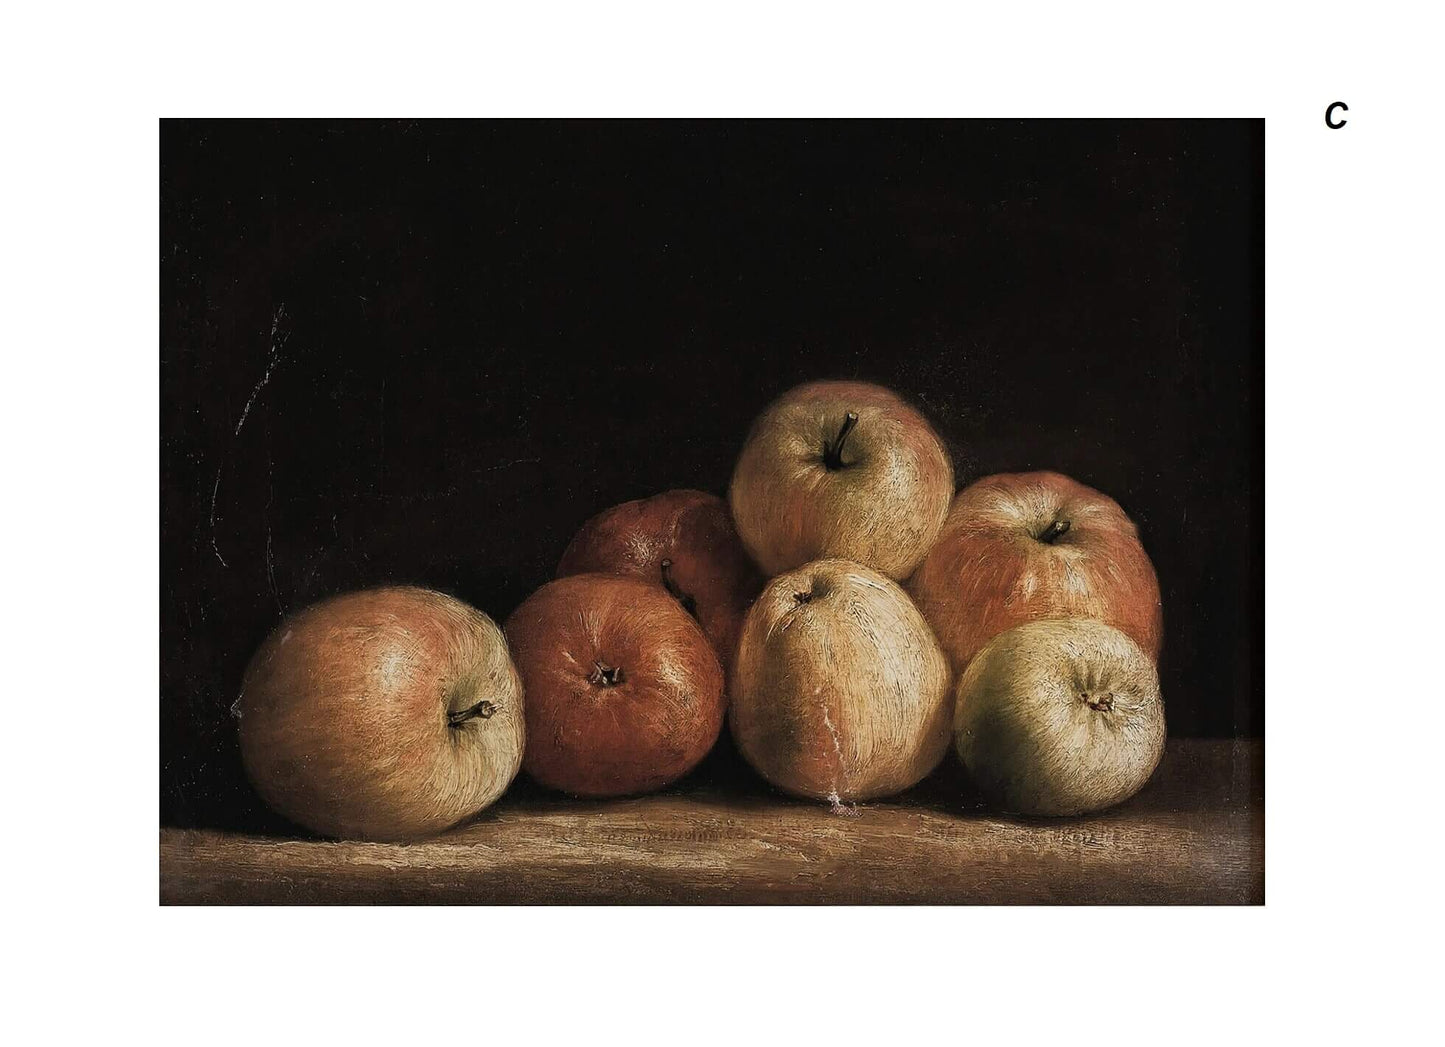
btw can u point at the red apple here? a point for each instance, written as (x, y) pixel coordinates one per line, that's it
(624, 692)
(682, 540)
(1021, 546)
(841, 469)
(389, 714)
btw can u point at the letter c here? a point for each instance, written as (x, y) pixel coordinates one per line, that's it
(1330, 115)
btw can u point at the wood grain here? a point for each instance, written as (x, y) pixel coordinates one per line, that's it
(1194, 835)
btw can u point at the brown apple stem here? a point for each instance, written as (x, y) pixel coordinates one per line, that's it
(1054, 531)
(689, 604)
(605, 675)
(833, 453)
(483, 710)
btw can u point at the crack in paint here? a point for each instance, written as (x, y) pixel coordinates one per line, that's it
(274, 354)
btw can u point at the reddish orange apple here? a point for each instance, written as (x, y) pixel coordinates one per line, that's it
(684, 541)
(624, 693)
(1022, 546)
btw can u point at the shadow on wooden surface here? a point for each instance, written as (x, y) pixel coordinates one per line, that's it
(1195, 835)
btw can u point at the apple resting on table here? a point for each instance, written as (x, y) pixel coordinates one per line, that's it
(1060, 717)
(841, 469)
(682, 540)
(839, 691)
(624, 692)
(388, 714)
(1022, 546)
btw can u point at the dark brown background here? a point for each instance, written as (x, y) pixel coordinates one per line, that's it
(485, 332)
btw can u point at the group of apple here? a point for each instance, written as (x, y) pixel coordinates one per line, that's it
(1019, 620)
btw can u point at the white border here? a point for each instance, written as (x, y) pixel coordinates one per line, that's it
(1352, 267)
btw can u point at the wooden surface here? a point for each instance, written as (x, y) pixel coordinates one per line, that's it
(1194, 835)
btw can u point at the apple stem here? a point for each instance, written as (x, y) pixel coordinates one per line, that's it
(483, 709)
(605, 675)
(689, 604)
(1054, 531)
(833, 453)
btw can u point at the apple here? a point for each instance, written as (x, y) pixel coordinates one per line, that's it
(624, 692)
(1059, 717)
(841, 469)
(388, 714)
(839, 691)
(682, 540)
(1022, 546)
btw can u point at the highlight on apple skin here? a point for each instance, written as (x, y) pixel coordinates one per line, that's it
(624, 691)
(841, 469)
(388, 714)
(839, 691)
(683, 540)
(1060, 717)
(1022, 546)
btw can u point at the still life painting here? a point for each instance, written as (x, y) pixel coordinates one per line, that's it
(712, 512)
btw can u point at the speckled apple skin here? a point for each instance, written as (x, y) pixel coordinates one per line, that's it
(692, 529)
(989, 571)
(593, 740)
(344, 715)
(882, 509)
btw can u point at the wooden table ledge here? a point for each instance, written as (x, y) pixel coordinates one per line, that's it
(1194, 835)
